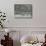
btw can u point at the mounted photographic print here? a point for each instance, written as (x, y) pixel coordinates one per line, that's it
(23, 10)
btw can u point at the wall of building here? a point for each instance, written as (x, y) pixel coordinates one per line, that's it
(37, 23)
(39, 13)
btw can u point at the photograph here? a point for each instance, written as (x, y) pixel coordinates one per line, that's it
(23, 11)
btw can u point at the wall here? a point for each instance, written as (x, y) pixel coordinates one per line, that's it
(39, 13)
(37, 23)
(18, 35)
